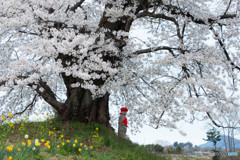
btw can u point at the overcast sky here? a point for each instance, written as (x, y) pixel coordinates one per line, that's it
(195, 134)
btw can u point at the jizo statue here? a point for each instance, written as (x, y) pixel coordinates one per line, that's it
(122, 123)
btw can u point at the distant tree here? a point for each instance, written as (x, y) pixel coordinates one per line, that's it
(179, 149)
(175, 144)
(188, 144)
(213, 136)
(181, 144)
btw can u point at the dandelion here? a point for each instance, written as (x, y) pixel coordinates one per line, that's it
(79, 149)
(63, 143)
(26, 136)
(86, 148)
(42, 140)
(58, 146)
(74, 145)
(48, 147)
(91, 147)
(10, 158)
(75, 141)
(97, 128)
(81, 144)
(19, 149)
(23, 144)
(68, 141)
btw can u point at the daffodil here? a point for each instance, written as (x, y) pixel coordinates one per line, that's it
(2, 118)
(26, 136)
(9, 158)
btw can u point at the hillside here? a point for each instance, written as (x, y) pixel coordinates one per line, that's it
(53, 140)
(220, 144)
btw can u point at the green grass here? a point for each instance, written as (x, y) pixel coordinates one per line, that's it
(67, 141)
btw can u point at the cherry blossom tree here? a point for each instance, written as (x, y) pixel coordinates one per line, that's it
(79, 55)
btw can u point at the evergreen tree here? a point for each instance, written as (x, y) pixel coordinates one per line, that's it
(213, 136)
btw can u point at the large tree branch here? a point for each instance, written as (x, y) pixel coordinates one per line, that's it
(148, 50)
(224, 49)
(29, 105)
(175, 10)
(48, 95)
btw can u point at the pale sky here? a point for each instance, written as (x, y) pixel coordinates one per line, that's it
(195, 134)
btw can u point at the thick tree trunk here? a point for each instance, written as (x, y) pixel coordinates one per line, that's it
(83, 108)
(80, 105)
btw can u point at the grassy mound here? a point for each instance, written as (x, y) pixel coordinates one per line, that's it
(54, 140)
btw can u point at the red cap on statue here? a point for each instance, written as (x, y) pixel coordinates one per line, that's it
(124, 109)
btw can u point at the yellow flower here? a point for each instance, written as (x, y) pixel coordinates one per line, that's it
(42, 140)
(62, 136)
(2, 118)
(19, 149)
(23, 144)
(11, 124)
(9, 148)
(68, 141)
(81, 144)
(63, 143)
(74, 145)
(75, 141)
(36, 141)
(97, 128)
(33, 148)
(86, 148)
(9, 158)
(79, 149)
(10, 114)
(58, 146)
(26, 136)
(37, 144)
(48, 147)
(91, 147)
